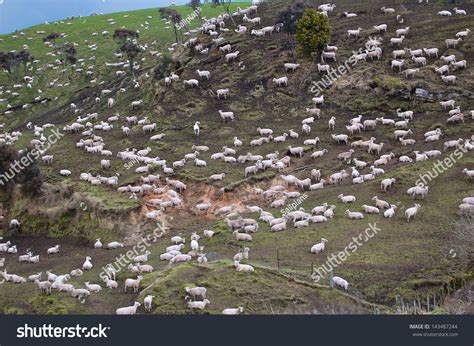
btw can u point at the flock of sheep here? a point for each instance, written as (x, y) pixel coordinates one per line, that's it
(164, 191)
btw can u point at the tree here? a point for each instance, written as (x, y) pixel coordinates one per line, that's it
(195, 4)
(174, 16)
(52, 37)
(11, 61)
(8, 155)
(312, 32)
(31, 179)
(226, 5)
(127, 40)
(290, 17)
(69, 52)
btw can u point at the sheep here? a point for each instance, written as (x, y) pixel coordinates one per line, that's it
(97, 244)
(347, 199)
(243, 267)
(80, 293)
(452, 42)
(44, 286)
(53, 250)
(222, 92)
(148, 302)
(368, 209)
(338, 281)
(459, 11)
(231, 56)
(323, 68)
(109, 283)
(296, 151)
(387, 10)
(280, 81)
(87, 264)
(226, 115)
(390, 212)
(411, 72)
(354, 215)
(233, 311)
(197, 292)
(469, 173)
(355, 33)
(137, 104)
(202, 74)
(397, 40)
(387, 184)
(411, 212)
(128, 310)
(198, 304)
(418, 191)
(340, 138)
(180, 258)
(463, 33)
(459, 64)
(319, 247)
(93, 288)
(381, 28)
(397, 63)
(65, 172)
(380, 203)
(345, 155)
(133, 283)
(449, 79)
(290, 67)
(191, 83)
(445, 13)
(196, 128)
(114, 245)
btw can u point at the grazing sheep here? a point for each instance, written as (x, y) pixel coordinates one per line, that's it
(338, 281)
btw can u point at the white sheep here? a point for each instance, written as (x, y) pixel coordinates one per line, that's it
(133, 283)
(233, 311)
(319, 247)
(53, 250)
(243, 267)
(129, 310)
(148, 302)
(338, 281)
(411, 212)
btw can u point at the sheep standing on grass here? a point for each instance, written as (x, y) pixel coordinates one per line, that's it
(148, 302)
(411, 212)
(133, 283)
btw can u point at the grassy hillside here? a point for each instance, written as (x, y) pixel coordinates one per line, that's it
(409, 261)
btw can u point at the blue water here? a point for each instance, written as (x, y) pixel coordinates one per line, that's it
(20, 14)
